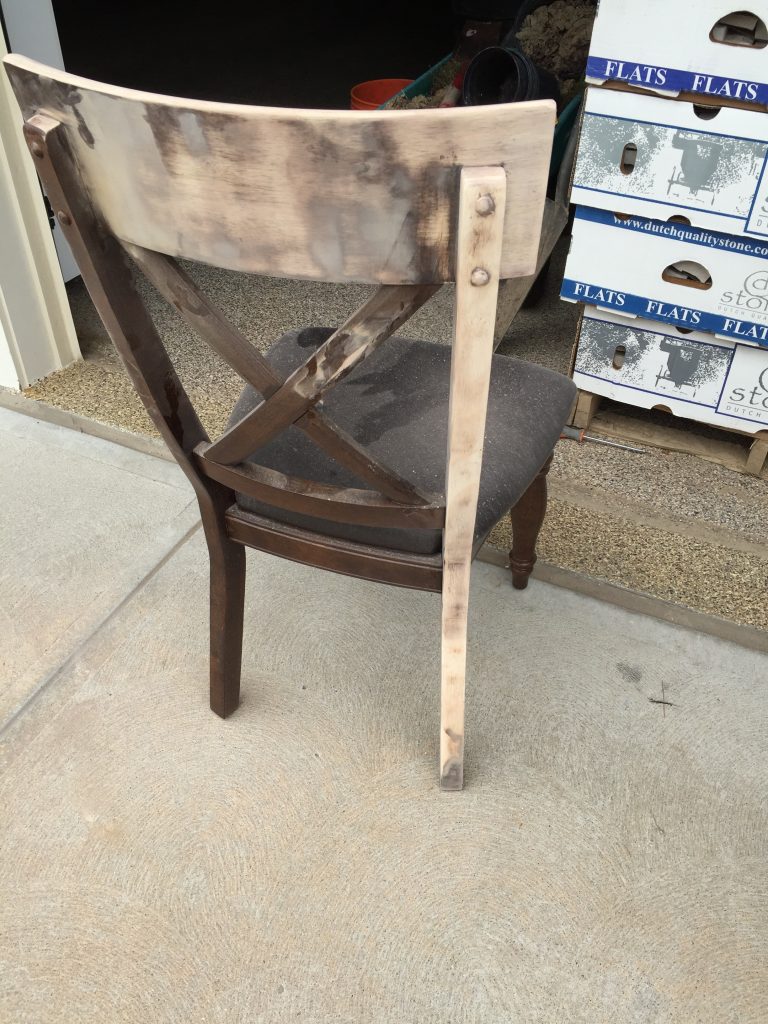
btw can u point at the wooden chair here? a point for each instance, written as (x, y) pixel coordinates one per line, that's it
(371, 469)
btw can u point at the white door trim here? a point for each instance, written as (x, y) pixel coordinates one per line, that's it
(37, 334)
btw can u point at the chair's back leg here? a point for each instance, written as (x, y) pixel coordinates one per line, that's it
(482, 193)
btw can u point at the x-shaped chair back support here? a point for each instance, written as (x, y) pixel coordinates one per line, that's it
(294, 401)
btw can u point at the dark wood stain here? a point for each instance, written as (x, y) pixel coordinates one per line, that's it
(527, 519)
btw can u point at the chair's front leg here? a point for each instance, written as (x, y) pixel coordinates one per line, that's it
(527, 517)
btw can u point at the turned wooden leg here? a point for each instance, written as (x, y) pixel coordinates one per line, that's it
(527, 517)
(227, 598)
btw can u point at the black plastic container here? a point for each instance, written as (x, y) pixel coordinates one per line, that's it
(500, 74)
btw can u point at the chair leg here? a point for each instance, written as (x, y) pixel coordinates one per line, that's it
(453, 673)
(227, 600)
(527, 517)
(482, 194)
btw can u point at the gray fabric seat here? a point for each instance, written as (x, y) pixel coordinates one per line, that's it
(396, 404)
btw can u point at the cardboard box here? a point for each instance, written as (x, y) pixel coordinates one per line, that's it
(683, 47)
(674, 273)
(648, 365)
(658, 158)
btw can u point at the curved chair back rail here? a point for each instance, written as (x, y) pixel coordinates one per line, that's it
(320, 194)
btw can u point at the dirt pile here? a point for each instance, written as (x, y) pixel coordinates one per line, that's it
(556, 37)
(443, 79)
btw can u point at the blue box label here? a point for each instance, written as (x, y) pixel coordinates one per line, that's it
(651, 76)
(652, 309)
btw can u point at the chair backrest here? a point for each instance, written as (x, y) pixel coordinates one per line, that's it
(407, 200)
(328, 195)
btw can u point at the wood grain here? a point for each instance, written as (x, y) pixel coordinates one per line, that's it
(175, 285)
(512, 293)
(320, 194)
(375, 321)
(226, 608)
(478, 256)
(398, 568)
(308, 497)
(628, 428)
(527, 518)
(111, 285)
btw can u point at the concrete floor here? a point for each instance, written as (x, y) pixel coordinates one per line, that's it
(664, 524)
(607, 861)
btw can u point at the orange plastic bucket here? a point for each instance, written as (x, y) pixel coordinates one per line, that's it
(370, 95)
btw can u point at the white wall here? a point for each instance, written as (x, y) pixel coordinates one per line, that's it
(38, 333)
(31, 27)
(32, 30)
(9, 378)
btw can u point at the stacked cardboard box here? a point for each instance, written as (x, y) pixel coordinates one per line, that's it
(670, 240)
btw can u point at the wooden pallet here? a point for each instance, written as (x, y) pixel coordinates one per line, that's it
(727, 451)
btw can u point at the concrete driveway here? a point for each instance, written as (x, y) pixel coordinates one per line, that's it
(607, 861)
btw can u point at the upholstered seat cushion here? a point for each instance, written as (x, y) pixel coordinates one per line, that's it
(396, 404)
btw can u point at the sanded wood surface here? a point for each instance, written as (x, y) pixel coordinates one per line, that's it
(327, 195)
(110, 284)
(527, 519)
(478, 255)
(308, 497)
(235, 349)
(587, 405)
(375, 321)
(512, 293)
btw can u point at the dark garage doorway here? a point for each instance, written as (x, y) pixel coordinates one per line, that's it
(296, 54)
